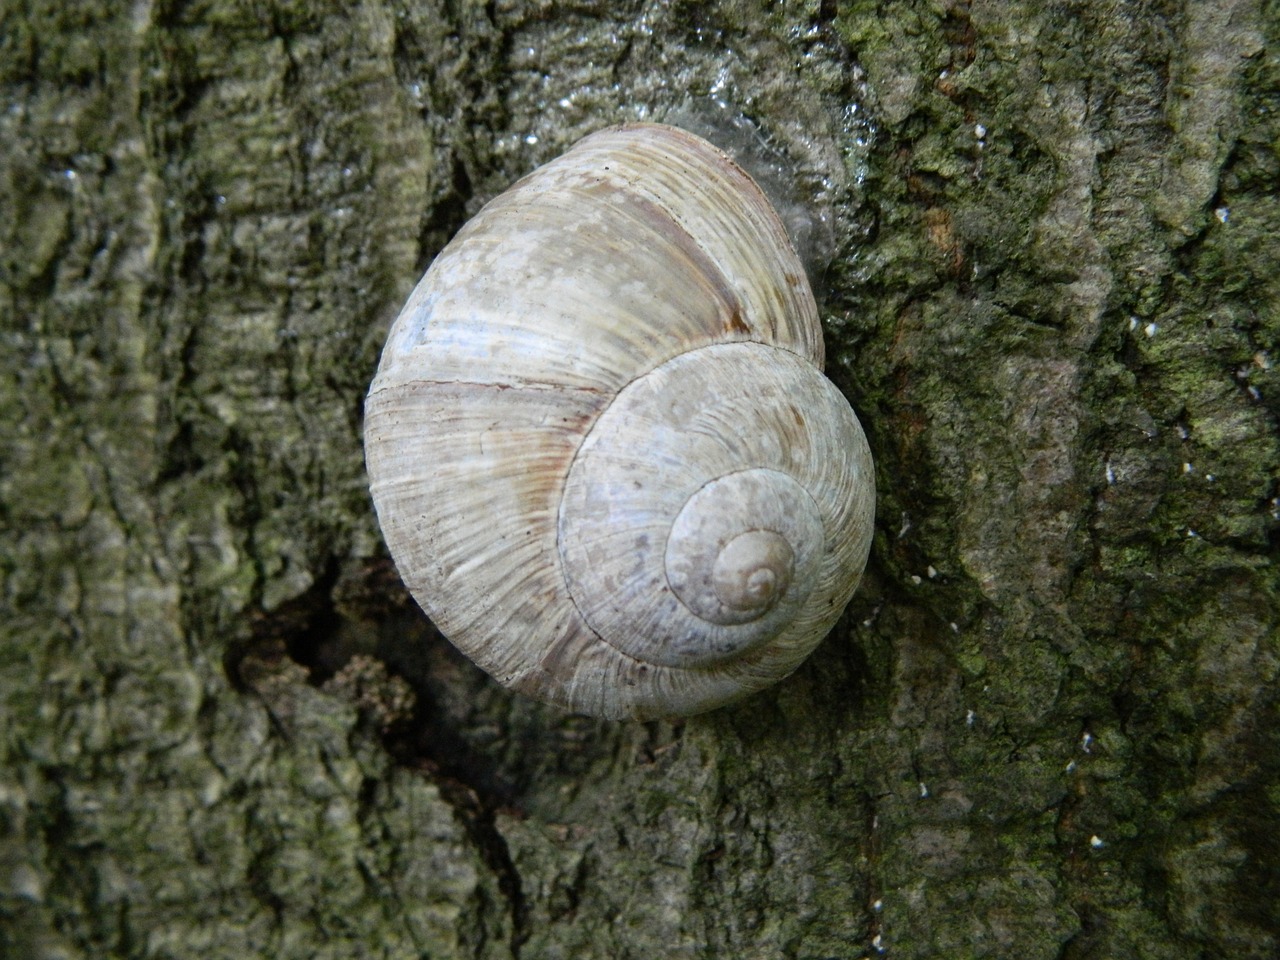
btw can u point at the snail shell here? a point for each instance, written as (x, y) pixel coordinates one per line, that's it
(601, 448)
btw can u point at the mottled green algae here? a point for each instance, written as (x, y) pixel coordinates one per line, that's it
(1086, 395)
(188, 326)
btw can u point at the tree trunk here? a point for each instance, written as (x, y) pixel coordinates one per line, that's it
(1047, 727)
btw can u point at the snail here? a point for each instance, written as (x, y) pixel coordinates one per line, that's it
(600, 445)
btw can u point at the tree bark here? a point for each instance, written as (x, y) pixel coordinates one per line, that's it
(1047, 727)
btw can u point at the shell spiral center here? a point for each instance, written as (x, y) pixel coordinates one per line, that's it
(686, 536)
(753, 570)
(739, 544)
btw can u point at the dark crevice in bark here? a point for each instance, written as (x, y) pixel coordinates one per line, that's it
(314, 631)
(477, 813)
(447, 215)
(432, 744)
(304, 630)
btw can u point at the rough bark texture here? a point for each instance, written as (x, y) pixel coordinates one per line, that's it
(1048, 725)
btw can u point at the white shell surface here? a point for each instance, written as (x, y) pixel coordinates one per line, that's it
(630, 313)
(753, 438)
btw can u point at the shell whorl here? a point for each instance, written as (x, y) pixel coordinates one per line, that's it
(602, 452)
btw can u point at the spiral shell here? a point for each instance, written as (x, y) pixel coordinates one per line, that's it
(601, 449)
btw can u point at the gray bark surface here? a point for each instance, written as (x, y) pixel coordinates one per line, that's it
(1047, 726)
